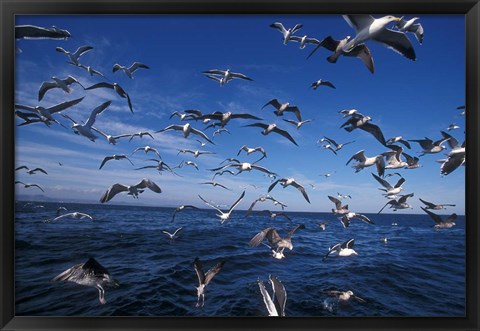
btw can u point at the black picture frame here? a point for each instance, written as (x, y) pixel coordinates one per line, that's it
(10, 8)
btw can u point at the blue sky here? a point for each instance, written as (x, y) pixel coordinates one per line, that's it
(414, 99)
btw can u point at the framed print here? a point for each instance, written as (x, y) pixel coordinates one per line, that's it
(210, 166)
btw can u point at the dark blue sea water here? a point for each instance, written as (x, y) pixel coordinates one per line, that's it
(418, 272)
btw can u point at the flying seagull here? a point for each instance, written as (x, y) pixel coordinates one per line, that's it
(296, 123)
(74, 57)
(286, 33)
(224, 118)
(38, 32)
(46, 113)
(360, 51)
(345, 219)
(90, 273)
(430, 205)
(429, 146)
(147, 149)
(129, 70)
(364, 161)
(283, 107)
(321, 82)
(111, 139)
(243, 166)
(77, 215)
(249, 151)
(446, 223)
(335, 144)
(401, 203)
(305, 40)
(267, 128)
(204, 278)
(186, 130)
(411, 26)
(57, 83)
(29, 185)
(276, 242)
(180, 209)
(343, 249)
(226, 75)
(388, 188)
(398, 139)
(214, 184)
(89, 69)
(339, 209)
(117, 88)
(133, 190)
(376, 29)
(114, 157)
(31, 171)
(86, 129)
(173, 235)
(274, 215)
(224, 215)
(276, 303)
(287, 182)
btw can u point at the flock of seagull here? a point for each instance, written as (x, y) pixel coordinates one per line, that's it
(92, 273)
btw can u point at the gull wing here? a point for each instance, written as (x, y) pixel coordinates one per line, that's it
(64, 105)
(107, 158)
(334, 248)
(279, 26)
(251, 207)
(363, 218)
(137, 65)
(215, 72)
(292, 231)
(302, 190)
(37, 32)
(297, 27)
(358, 299)
(274, 103)
(213, 271)
(239, 75)
(97, 111)
(177, 230)
(197, 264)
(201, 134)
(296, 111)
(400, 182)
(374, 130)
(209, 204)
(67, 274)
(236, 202)
(269, 304)
(358, 22)
(244, 115)
(337, 202)
(363, 53)
(348, 244)
(434, 216)
(396, 41)
(254, 166)
(258, 238)
(279, 295)
(383, 182)
(82, 50)
(44, 88)
(172, 127)
(429, 204)
(273, 184)
(285, 134)
(359, 156)
(99, 85)
(41, 170)
(62, 216)
(144, 183)
(404, 198)
(112, 191)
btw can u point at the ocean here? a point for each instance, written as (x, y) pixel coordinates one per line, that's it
(418, 271)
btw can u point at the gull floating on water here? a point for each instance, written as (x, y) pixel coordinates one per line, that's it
(57, 83)
(369, 28)
(77, 215)
(38, 32)
(364, 161)
(29, 185)
(114, 157)
(186, 130)
(268, 128)
(129, 70)
(286, 33)
(204, 278)
(283, 107)
(75, 55)
(180, 209)
(133, 190)
(284, 182)
(276, 303)
(343, 249)
(224, 215)
(90, 273)
(117, 88)
(434, 206)
(411, 26)
(31, 171)
(276, 242)
(173, 235)
(401, 203)
(86, 129)
(446, 223)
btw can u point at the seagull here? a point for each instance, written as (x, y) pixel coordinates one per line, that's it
(287, 182)
(360, 51)
(344, 296)
(249, 151)
(286, 33)
(90, 273)
(343, 249)
(245, 166)
(276, 242)
(441, 223)
(60, 209)
(321, 82)
(187, 163)
(451, 163)
(219, 131)
(345, 219)
(76, 215)
(376, 29)
(323, 225)
(259, 199)
(275, 215)
(195, 153)
(28, 185)
(220, 80)
(86, 129)
(114, 157)
(412, 162)
(38, 32)
(339, 209)
(186, 130)
(430, 205)
(220, 173)
(227, 75)
(117, 88)
(341, 196)
(393, 158)
(173, 235)
(305, 40)
(75, 55)
(334, 143)
(267, 128)
(297, 124)
(398, 139)
(133, 190)
(429, 146)
(31, 171)
(216, 184)
(411, 26)
(452, 127)
(89, 69)
(283, 107)
(160, 166)
(181, 116)
(205, 278)
(224, 118)
(46, 113)
(129, 71)
(347, 112)
(389, 189)
(276, 303)
(224, 215)
(30, 118)
(57, 83)
(359, 121)
(364, 162)
(180, 209)
(401, 203)
(275, 201)
(111, 139)
(147, 149)
(141, 134)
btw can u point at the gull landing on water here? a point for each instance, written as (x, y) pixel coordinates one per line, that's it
(204, 278)
(275, 304)
(277, 243)
(224, 215)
